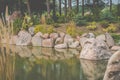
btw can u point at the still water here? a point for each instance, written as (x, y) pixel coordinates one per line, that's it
(36, 63)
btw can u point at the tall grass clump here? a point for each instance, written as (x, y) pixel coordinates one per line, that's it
(6, 28)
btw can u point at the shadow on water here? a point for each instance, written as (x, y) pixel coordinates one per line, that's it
(36, 63)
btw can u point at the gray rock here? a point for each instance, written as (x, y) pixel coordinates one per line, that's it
(66, 38)
(109, 40)
(24, 38)
(48, 43)
(45, 36)
(94, 49)
(82, 41)
(61, 46)
(62, 35)
(36, 41)
(39, 34)
(101, 37)
(74, 44)
(88, 35)
(59, 40)
(31, 30)
(54, 35)
(113, 67)
(115, 48)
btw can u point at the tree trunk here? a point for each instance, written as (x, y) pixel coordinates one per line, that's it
(54, 10)
(48, 8)
(65, 7)
(77, 1)
(82, 7)
(110, 5)
(28, 7)
(60, 7)
(69, 5)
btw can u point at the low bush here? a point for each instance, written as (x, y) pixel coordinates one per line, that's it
(44, 28)
(80, 20)
(92, 26)
(110, 28)
(71, 29)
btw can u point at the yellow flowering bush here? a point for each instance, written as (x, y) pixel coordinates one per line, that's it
(92, 26)
(110, 28)
(71, 29)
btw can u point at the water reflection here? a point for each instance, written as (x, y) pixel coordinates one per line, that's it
(93, 70)
(36, 63)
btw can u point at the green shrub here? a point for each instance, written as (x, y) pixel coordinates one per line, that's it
(27, 22)
(17, 25)
(80, 20)
(35, 19)
(116, 37)
(49, 21)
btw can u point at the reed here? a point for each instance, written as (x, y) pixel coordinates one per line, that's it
(7, 63)
(6, 28)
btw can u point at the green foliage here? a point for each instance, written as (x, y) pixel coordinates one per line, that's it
(104, 24)
(71, 29)
(39, 28)
(35, 19)
(49, 21)
(27, 22)
(110, 28)
(80, 20)
(44, 29)
(92, 26)
(17, 25)
(61, 18)
(108, 16)
(116, 37)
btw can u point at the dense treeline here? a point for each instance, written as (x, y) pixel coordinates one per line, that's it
(63, 8)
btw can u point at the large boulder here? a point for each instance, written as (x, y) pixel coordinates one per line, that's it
(115, 48)
(68, 40)
(88, 35)
(113, 67)
(48, 42)
(109, 40)
(101, 37)
(39, 34)
(59, 40)
(61, 46)
(24, 38)
(74, 44)
(94, 49)
(54, 35)
(62, 35)
(45, 36)
(82, 41)
(36, 41)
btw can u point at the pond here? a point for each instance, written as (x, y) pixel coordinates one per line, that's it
(36, 63)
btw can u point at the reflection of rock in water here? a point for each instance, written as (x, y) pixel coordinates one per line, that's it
(93, 70)
(40, 52)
